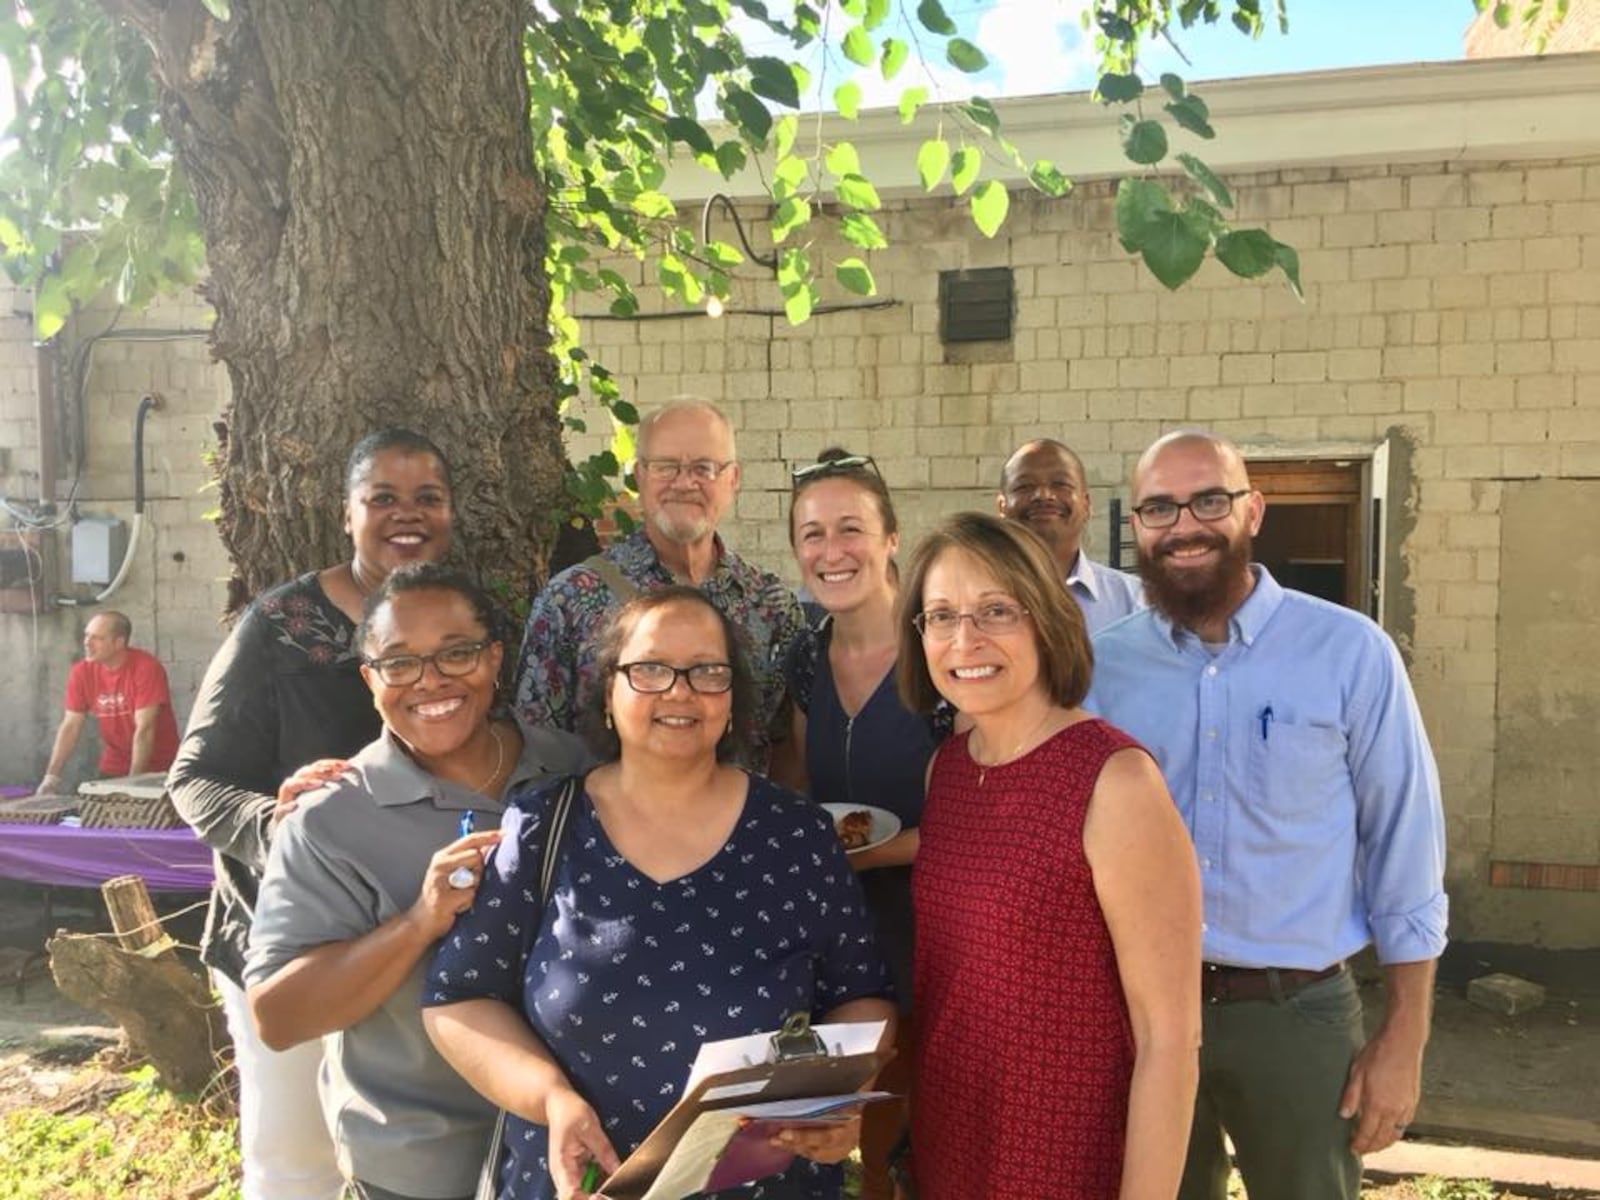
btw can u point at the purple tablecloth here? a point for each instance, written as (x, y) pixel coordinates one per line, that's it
(168, 860)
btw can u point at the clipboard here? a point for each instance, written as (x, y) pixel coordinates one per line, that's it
(799, 1067)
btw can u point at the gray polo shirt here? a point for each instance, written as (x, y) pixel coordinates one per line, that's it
(347, 860)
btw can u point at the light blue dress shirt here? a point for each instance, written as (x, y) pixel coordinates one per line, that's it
(1297, 757)
(1103, 593)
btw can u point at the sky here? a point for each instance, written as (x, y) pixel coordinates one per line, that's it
(1038, 46)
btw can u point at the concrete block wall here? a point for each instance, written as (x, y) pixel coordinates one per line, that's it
(175, 589)
(1452, 308)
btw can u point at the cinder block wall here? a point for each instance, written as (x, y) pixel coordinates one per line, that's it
(175, 590)
(1453, 308)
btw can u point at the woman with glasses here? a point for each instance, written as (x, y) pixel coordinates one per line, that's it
(691, 901)
(367, 874)
(861, 745)
(282, 692)
(1057, 899)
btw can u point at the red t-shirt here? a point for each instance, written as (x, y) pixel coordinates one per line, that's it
(112, 697)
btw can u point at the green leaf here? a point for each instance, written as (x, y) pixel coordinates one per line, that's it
(791, 172)
(1119, 89)
(723, 255)
(51, 308)
(1174, 86)
(772, 78)
(1047, 177)
(785, 130)
(791, 214)
(964, 56)
(858, 46)
(798, 302)
(982, 114)
(656, 206)
(911, 99)
(1289, 261)
(842, 159)
(1173, 248)
(934, 19)
(861, 230)
(856, 276)
(731, 159)
(855, 192)
(895, 53)
(1144, 142)
(749, 114)
(847, 99)
(933, 159)
(964, 166)
(877, 13)
(691, 133)
(1139, 202)
(1206, 178)
(1192, 114)
(990, 203)
(1248, 253)
(220, 9)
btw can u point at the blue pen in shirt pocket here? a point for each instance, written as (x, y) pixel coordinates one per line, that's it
(1265, 718)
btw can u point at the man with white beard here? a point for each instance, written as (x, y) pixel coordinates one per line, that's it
(1293, 747)
(687, 473)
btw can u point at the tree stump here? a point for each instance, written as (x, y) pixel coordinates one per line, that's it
(166, 1010)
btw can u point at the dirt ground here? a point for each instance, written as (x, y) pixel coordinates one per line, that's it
(1524, 1083)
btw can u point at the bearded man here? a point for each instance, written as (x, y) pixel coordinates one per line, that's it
(687, 473)
(1043, 486)
(1292, 745)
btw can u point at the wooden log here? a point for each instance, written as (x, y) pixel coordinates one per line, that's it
(133, 916)
(166, 1010)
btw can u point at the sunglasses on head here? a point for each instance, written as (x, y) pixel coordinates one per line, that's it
(850, 464)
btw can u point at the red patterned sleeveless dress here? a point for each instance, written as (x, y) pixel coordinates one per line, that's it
(1026, 1051)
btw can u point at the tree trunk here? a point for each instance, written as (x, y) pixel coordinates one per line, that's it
(375, 237)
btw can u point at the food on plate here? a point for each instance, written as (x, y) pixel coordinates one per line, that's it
(854, 828)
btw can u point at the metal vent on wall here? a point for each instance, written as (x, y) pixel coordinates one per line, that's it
(976, 306)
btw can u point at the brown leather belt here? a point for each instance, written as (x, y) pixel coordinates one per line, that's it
(1222, 984)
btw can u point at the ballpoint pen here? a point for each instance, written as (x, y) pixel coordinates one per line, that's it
(462, 877)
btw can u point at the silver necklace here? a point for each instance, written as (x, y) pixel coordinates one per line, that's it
(985, 767)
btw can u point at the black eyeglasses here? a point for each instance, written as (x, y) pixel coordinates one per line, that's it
(847, 465)
(402, 670)
(665, 470)
(707, 678)
(1207, 506)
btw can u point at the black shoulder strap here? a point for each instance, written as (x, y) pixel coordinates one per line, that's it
(558, 811)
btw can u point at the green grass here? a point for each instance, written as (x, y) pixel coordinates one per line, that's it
(145, 1145)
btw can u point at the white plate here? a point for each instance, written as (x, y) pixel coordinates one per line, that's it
(884, 823)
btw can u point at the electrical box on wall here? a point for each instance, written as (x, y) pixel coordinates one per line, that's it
(98, 544)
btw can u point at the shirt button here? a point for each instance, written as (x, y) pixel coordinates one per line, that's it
(1211, 735)
(1211, 669)
(1205, 795)
(1205, 864)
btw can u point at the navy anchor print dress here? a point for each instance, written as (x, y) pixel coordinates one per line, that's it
(626, 977)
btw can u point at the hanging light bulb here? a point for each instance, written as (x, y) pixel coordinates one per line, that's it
(714, 307)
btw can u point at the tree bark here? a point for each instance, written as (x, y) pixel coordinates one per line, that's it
(375, 238)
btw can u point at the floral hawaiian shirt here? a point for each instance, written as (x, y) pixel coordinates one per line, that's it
(556, 674)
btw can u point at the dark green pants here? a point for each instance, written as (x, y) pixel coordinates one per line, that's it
(1271, 1073)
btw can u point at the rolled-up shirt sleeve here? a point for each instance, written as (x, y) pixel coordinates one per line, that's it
(1400, 828)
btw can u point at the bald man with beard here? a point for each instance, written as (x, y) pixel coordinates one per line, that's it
(1294, 750)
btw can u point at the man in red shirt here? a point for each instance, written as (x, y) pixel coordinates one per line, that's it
(126, 691)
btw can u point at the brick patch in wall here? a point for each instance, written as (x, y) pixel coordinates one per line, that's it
(1564, 877)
